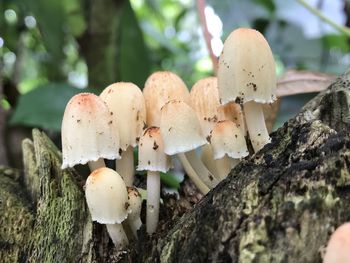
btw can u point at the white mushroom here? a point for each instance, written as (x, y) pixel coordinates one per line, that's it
(182, 134)
(152, 159)
(107, 199)
(247, 75)
(127, 106)
(88, 132)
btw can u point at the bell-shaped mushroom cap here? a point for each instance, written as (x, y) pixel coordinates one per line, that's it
(161, 87)
(227, 138)
(232, 112)
(107, 196)
(135, 202)
(246, 68)
(127, 105)
(338, 248)
(204, 99)
(88, 132)
(180, 128)
(151, 152)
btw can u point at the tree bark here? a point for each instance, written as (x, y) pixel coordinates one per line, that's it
(279, 205)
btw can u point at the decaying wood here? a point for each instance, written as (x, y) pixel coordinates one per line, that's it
(279, 205)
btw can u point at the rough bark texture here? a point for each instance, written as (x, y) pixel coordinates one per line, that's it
(279, 205)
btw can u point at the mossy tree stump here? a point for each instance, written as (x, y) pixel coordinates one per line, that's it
(279, 205)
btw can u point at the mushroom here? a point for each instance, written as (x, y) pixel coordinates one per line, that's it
(229, 145)
(153, 159)
(161, 87)
(127, 105)
(135, 202)
(107, 199)
(181, 132)
(88, 132)
(338, 248)
(204, 98)
(247, 75)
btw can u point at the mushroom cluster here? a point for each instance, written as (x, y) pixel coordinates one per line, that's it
(165, 120)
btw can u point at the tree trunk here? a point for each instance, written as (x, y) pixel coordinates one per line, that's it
(279, 205)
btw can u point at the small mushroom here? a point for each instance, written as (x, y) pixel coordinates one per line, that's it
(338, 248)
(229, 145)
(127, 106)
(88, 132)
(152, 159)
(182, 134)
(247, 75)
(135, 202)
(107, 199)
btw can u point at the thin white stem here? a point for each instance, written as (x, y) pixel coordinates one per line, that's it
(254, 117)
(125, 166)
(225, 165)
(94, 165)
(204, 174)
(208, 159)
(135, 225)
(117, 234)
(192, 174)
(153, 197)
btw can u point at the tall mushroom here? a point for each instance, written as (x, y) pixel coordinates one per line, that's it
(127, 106)
(182, 134)
(88, 132)
(152, 159)
(247, 75)
(107, 199)
(161, 87)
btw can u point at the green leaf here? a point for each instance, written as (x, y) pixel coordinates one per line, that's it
(134, 61)
(170, 180)
(44, 106)
(50, 15)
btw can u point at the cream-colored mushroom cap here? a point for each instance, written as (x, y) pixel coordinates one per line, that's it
(88, 132)
(127, 105)
(204, 99)
(232, 112)
(107, 196)
(246, 68)
(227, 138)
(151, 152)
(338, 248)
(180, 128)
(135, 202)
(161, 87)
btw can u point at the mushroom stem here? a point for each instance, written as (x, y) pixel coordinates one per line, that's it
(204, 174)
(125, 166)
(94, 165)
(135, 225)
(254, 117)
(153, 196)
(192, 174)
(207, 158)
(225, 165)
(117, 234)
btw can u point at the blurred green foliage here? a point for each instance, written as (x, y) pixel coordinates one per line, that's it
(41, 50)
